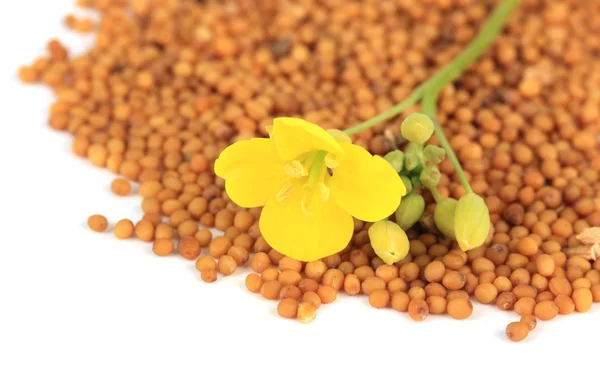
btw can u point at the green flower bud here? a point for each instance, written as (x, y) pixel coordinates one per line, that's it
(407, 184)
(443, 216)
(430, 176)
(416, 182)
(434, 154)
(396, 159)
(413, 156)
(389, 241)
(410, 210)
(417, 128)
(471, 222)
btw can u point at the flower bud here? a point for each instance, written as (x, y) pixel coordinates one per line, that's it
(410, 210)
(407, 184)
(416, 182)
(396, 159)
(471, 222)
(434, 154)
(430, 176)
(413, 156)
(389, 241)
(417, 128)
(443, 216)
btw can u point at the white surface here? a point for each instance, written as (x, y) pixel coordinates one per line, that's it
(78, 308)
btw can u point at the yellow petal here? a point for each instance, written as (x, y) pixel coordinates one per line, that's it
(253, 171)
(295, 136)
(303, 227)
(366, 186)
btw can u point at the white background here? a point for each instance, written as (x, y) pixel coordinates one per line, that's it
(79, 308)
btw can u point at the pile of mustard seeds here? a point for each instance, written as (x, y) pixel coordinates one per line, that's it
(168, 84)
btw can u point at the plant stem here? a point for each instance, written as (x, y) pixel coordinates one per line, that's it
(391, 113)
(437, 196)
(428, 107)
(488, 33)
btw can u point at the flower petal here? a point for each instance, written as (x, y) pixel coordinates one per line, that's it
(295, 136)
(366, 186)
(253, 171)
(285, 226)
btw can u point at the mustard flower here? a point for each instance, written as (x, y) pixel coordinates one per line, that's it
(311, 183)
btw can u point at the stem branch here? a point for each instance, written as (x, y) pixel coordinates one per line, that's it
(428, 106)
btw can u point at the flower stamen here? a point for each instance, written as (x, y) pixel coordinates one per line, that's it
(295, 169)
(284, 192)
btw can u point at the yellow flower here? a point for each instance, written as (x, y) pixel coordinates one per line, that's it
(311, 182)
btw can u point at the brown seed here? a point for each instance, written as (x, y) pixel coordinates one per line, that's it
(434, 271)
(97, 223)
(525, 306)
(417, 293)
(208, 276)
(227, 265)
(189, 247)
(596, 293)
(219, 246)
(545, 265)
(270, 274)
(397, 284)
(379, 298)
(454, 280)
(435, 289)
(327, 294)
(308, 285)
(253, 281)
(506, 301)
(315, 270)
(260, 261)
(437, 304)
(517, 331)
(583, 299)
(163, 247)
(289, 278)
(334, 278)
(289, 264)
(460, 308)
(386, 272)
(270, 289)
(560, 286)
(306, 312)
(288, 308)
(371, 284)
(400, 301)
(206, 263)
(546, 310)
(565, 304)
(123, 229)
(351, 284)
(313, 298)
(120, 187)
(163, 231)
(144, 230)
(418, 310)
(486, 293)
(290, 291)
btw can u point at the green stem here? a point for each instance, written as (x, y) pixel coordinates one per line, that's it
(428, 107)
(391, 113)
(437, 196)
(488, 33)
